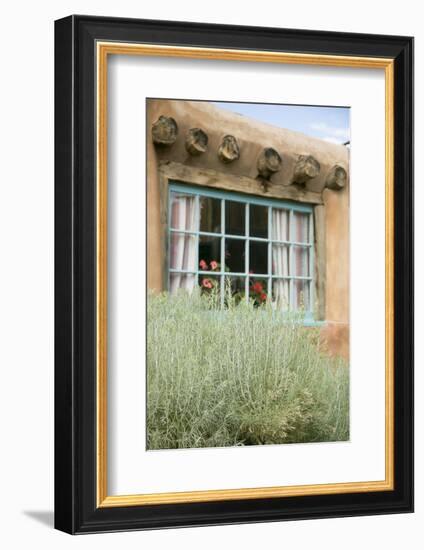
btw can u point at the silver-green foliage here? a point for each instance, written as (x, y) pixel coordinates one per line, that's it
(241, 375)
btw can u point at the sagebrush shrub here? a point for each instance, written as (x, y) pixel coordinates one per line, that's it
(243, 375)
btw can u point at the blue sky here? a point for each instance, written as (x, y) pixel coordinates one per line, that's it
(328, 123)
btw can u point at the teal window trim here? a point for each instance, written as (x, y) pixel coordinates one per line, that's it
(292, 207)
(240, 197)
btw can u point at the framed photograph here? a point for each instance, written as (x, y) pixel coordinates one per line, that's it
(234, 274)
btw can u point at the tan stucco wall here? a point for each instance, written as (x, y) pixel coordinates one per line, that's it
(154, 246)
(252, 137)
(336, 332)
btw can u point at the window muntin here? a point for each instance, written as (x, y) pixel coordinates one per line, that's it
(252, 239)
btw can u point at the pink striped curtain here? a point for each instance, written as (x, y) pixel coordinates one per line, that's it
(280, 258)
(183, 245)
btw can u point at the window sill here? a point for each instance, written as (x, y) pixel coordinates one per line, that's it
(312, 323)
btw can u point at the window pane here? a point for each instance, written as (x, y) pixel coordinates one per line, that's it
(235, 255)
(258, 221)
(183, 212)
(301, 295)
(183, 252)
(258, 257)
(210, 215)
(280, 224)
(300, 227)
(281, 293)
(280, 259)
(235, 218)
(301, 261)
(209, 253)
(184, 281)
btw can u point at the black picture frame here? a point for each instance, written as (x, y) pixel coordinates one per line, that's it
(76, 508)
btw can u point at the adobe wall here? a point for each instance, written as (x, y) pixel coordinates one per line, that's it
(336, 331)
(253, 136)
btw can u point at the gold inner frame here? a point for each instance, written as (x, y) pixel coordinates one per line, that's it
(104, 49)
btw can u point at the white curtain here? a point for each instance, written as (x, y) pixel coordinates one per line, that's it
(183, 245)
(280, 258)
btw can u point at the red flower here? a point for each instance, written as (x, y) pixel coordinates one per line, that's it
(214, 265)
(203, 265)
(263, 297)
(257, 287)
(207, 283)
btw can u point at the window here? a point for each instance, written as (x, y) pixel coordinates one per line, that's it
(263, 248)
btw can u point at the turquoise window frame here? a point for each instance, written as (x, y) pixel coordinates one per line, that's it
(222, 195)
